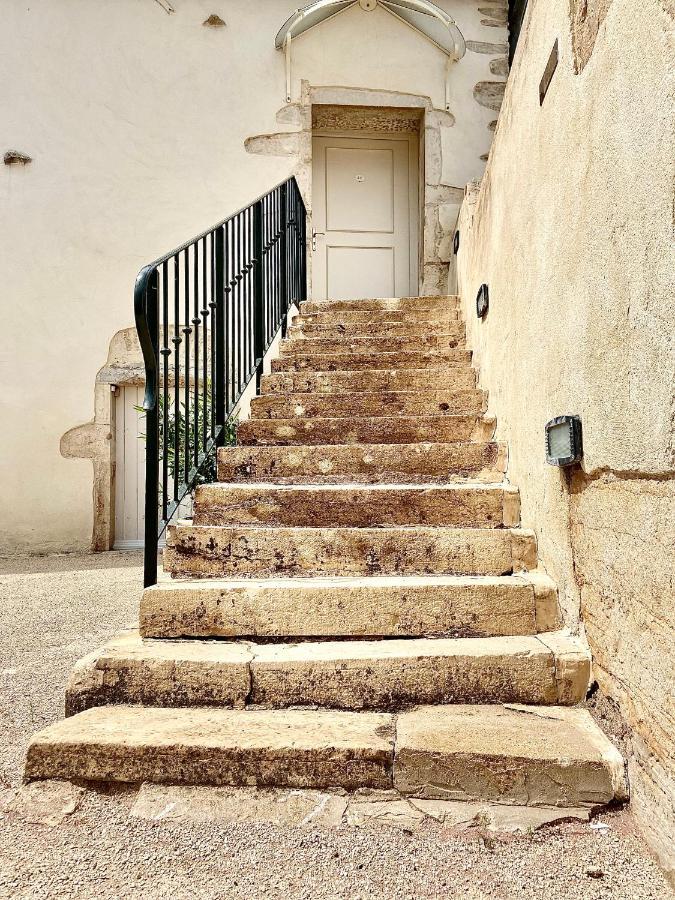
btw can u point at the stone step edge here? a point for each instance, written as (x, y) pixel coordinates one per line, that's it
(432, 394)
(482, 433)
(207, 551)
(325, 748)
(207, 495)
(432, 300)
(176, 608)
(414, 374)
(380, 674)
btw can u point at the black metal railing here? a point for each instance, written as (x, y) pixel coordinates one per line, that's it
(206, 313)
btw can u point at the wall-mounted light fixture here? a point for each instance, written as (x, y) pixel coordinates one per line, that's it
(482, 301)
(455, 243)
(564, 445)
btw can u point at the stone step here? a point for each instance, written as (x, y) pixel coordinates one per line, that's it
(367, 359)
(377, 606)
(534, 756)
(357, 505)
(342, 330)
(345, 344)
(383, 430)
(367, 318)
(279, 748)
(376, 674)
(361, 463)
(257, 551)
(371, 403)
(437, 303)
(454, 379)
(346, 334)
(537, 756)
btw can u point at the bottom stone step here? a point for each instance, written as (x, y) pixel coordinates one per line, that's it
(535, 756)
(288, 748)
(529, 755)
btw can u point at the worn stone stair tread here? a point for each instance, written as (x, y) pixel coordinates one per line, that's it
(339, 461)
(417, 317)
(356, 431)
(531, 755)
(400, 326)
(367, 359)
(291, 748)
(374, 380)
(433, 302)
(462, 504)
(255, 551)
(374, 345)
(355, 674)
(371, 403)
(378, 605)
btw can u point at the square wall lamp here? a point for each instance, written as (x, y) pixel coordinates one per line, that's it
(564, 446)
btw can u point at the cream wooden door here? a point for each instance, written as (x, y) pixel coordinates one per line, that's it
(130, 471)
(363, 198)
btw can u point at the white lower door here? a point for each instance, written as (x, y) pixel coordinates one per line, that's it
(130, 471)
(363, 199)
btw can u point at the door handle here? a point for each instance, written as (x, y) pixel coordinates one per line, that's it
(314, 237)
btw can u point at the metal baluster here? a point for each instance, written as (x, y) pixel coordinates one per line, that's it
(187, 331)
(218, 374)
(227, 361)
(205, 349)
(258, 298)
(196, 322)
(177, 341)
(164, 393)
(213, 322)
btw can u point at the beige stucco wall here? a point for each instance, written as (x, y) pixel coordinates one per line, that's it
(572, 229)
(136, 122)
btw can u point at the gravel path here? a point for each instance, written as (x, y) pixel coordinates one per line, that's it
(57, 608)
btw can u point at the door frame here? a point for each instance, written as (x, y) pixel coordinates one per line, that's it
(415, 187)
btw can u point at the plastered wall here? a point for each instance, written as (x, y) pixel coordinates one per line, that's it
(572, 229)
(141, 129)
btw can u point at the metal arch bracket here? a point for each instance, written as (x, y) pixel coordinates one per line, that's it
(287, 52)
(407, 11)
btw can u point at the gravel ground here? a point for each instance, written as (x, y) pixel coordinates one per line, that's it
(57, 608)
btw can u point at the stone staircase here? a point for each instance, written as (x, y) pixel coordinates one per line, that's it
(354, 603)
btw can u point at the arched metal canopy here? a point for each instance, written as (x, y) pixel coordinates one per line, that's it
(422, 15)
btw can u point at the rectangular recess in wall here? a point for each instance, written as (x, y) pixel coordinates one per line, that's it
(549, 71)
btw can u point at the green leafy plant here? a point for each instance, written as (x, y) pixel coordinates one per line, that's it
(176, 427)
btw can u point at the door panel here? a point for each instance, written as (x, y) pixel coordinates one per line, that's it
(361, 272)
(359, 189)
(362, 215)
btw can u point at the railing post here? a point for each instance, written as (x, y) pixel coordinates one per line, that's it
(219, 325)
(258, 293)
(152, 441)
(302, 221)
(284, 259)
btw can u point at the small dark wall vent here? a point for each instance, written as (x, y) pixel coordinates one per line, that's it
(549, 72)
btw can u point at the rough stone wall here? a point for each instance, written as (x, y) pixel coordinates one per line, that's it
(572, 229)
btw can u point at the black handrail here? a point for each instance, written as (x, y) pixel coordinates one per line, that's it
(231, 287)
